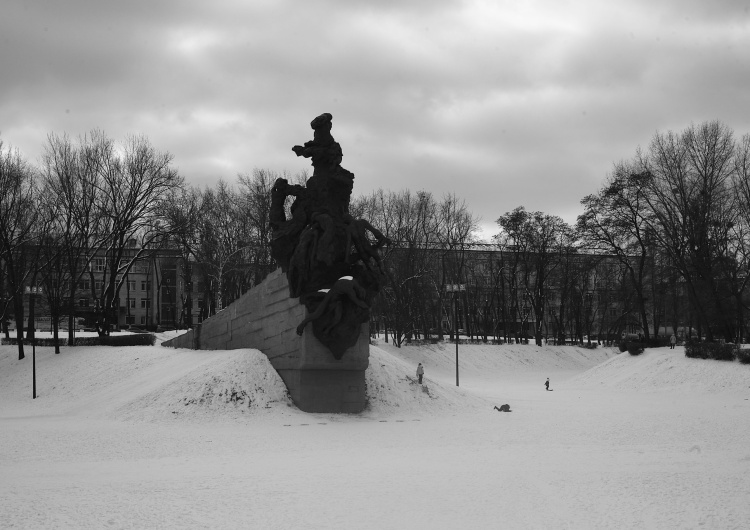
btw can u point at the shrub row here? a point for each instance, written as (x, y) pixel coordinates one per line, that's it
(39, 342)
(139, 339)
(743, 356)
(711, 350)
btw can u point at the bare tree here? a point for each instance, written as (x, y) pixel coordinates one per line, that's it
(616, 221)
(694, 213)
(134, 183)
(538, 238)
(255, 207)
(18, 216)
(182, 217)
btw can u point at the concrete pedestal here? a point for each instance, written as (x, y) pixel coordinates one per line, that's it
(265, 318)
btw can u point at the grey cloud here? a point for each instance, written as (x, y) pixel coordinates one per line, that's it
(425, 95)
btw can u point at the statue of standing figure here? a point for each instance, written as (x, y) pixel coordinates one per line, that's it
(330, 258)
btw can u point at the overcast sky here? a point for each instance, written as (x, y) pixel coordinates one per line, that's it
(504, 103)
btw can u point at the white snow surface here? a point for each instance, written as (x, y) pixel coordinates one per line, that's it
(155, 437)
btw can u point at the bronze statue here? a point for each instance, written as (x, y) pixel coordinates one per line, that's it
(330, 261)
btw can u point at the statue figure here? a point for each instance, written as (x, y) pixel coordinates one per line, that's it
(329, 259)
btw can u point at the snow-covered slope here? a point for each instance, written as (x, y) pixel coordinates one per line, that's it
(661, 369)
(153, 437)
(156, 383)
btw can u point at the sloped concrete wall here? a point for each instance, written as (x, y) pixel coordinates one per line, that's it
(265, 318)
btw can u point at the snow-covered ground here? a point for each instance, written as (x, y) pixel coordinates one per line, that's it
(153, 437)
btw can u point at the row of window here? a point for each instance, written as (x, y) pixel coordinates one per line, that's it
(85, 285)
(130, 319)
(100, 264)
(145, 303)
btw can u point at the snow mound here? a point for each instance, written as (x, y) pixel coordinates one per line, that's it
(658, 369)
(487, 359)
(235, 384)
(393, 389)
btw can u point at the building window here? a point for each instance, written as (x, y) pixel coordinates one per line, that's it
(130, 319)
(145, 286)
(83, 302)
(143, 319)
(131, 303)
(131, 285)
(84, 285)
(145, 303)
(99, 264)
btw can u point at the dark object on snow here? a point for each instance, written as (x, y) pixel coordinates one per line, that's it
(420, 372)
(546, 384)
(330, 258)
(503, 408)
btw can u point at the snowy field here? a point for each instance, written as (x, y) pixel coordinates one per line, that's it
(152, 437)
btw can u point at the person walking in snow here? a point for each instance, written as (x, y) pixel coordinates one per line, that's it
(420, 372)
(546, 384)
(672, 341)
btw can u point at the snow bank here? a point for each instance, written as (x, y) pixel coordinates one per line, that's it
(492, 360)
(392, 389)
(659, 369)
(231, 385)
(152, 383)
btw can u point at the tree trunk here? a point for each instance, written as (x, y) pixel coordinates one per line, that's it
(31, 326)
(18, 306)
(55, 330)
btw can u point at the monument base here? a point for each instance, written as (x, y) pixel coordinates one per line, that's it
(265, 318)
(326, 390)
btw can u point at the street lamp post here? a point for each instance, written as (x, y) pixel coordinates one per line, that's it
(33, 290)
(455, 289)
(33, 365)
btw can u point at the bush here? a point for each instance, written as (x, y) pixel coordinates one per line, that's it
(39, 342)
(623, 346)
(658, 342)
(743, 356)
(711, 350)
(139, 339)
(696, 350)
(636, 348)
(724, 352)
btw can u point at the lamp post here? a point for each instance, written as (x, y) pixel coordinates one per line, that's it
(33, 290)
(455, 289)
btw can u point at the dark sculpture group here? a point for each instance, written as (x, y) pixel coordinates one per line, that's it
(330, 258)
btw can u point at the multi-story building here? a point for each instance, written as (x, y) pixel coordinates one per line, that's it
(152, 293)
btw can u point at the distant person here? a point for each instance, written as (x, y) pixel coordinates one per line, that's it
(420, 372)
(546, 384)
(672, 341)
(503, 408)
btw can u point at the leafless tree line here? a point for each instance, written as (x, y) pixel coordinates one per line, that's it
(89, 198)
(673, 219)
(677, 217)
